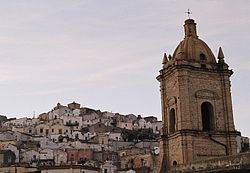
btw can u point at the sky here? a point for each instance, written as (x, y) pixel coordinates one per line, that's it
(106, 54)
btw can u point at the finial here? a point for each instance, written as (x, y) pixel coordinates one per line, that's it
(188, 13)
(169, 57)
(220, 54)
(165, 59)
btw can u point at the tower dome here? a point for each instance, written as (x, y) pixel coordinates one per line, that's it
(192, 50)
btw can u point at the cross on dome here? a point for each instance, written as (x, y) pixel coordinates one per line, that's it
(188, 13)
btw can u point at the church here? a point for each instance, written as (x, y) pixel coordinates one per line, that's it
(196, 101)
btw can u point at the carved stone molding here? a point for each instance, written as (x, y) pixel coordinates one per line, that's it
(206, 94)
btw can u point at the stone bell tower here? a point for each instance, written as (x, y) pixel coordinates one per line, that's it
(196, 102)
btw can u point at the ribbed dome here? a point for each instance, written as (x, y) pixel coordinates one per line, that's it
(192, 49)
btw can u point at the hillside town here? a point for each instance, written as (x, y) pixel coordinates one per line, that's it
(84, 140)
(81, 139)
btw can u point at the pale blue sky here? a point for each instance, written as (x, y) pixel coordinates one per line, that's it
(105, 54)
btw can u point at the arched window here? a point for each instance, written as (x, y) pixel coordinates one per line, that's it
(174, 163)
(207, 116)
(172, 121)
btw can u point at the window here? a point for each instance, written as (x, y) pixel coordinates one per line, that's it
(9, 159)
(52, 130)
(203, 57)
(143, 162)
(207, 116)
(41, 130)
(174, 163)
(105, 170)
(60, 131)
(172, 121)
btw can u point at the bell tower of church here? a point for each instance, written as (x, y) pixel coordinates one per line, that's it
(196, 102)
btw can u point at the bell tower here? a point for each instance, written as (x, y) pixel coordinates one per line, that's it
(196, 103)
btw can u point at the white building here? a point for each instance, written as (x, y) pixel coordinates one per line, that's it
(156, 127)
(29, 155)
(46, 154)
(60, 157)
(108, 167)
(58, 111)
(115, 136)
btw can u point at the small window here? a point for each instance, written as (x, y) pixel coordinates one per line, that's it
(172, 121)
(203, 57)
(41, 130)
(174, 163)
(47, 131)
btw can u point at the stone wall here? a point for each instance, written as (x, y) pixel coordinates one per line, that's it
(233, 163)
